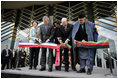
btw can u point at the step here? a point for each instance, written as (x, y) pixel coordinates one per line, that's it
(25, 72)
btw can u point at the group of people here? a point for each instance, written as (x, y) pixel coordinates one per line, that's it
(82, 30)
(12, 59)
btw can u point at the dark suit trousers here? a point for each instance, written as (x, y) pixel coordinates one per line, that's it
(33, 59)
(50, 58)
(21, 62)
(72, 60)
(13, 63)
(5, 63)
(66, 58)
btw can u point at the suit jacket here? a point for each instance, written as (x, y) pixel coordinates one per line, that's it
(66, 34)
(56, 34)
(15, 56)
(3, 57)
(44, 35)
(32, 34)
(81, 34)
(22, 54)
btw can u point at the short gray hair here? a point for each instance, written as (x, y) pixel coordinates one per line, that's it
(63, 19)
(45, 17)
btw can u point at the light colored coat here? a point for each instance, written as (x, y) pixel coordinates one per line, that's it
(32, 34)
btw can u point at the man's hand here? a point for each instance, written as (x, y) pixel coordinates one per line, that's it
(58, 38)
(74, 41)
(47, 40)
(37, 39)
(60, 41)
(22, 57)
(6, 55)
(40, 41)
(83, 40)
(66, 41)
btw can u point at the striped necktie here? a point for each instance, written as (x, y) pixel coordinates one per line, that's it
(46, 28)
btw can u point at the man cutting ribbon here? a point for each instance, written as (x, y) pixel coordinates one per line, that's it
(84, 30)
(65, 37)
(46, 34)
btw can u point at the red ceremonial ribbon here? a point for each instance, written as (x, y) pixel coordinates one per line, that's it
(57, 62)
(88, 43)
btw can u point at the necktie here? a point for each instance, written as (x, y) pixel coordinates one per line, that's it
(82, 27)
(13, 54)
(46, 28)
(6, 51)
(65, 27)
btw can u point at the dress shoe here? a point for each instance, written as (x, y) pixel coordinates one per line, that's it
(42, 69)
(30, 68)
(35, 68)
(74, 69)
(66, 70)
(89, 72)
(57, 68)
(49, 70)
(81, 71)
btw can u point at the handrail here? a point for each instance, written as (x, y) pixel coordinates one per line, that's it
(111, 56)
(105, 27)
(105, 22)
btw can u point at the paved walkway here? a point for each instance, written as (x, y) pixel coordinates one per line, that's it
(97, 73)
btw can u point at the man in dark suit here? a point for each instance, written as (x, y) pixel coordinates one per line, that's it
(46, 35)
(13, 59)
(66, 30)
(22, 55)
(5, 57)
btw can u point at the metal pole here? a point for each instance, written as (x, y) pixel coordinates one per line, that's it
(96, 60)
(110, 61)
(102, 57)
